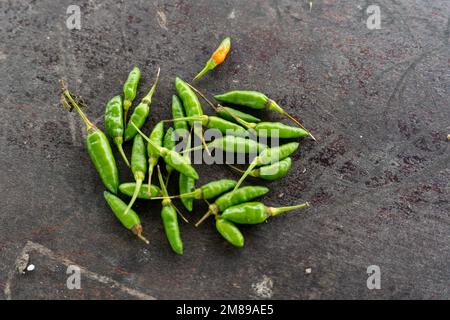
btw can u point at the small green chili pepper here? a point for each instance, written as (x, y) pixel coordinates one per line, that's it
(233, 144)
(138, 166)
(271, 172)
(255, 212)
(172, 158)
(187, 184)
(255, 100)
(217, 57)
(97, 143)
(170, 219)
(269, 156)
(129, 188)
(169, 143)
(141, 112)
(130, 90)
(114, 124)
(230, 232)
(231, 114)
(156, 137)
(233, 198)
(129, 220)
(181, 126)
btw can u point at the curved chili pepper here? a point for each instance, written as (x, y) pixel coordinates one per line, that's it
(269, 156)
(217, 57)
(138, 167)
(170, 219)
(129, 220)
(231, 114)
(130, 89)
(141, 112)
(230, 232)
(233, 198)
(129, 188)
(270, 172)
(97, 144)
(255, 212)
(255, 100)
(114, 124)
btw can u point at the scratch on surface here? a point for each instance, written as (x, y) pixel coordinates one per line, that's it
(44, 251)
(263, 289)
(162, 20)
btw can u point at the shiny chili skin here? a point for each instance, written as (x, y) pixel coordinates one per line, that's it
(97, 144)
(237, 144)
(141, 112)
(217, 57)
(178, 112)
(138, 166)
(156, 137)
(169, 143)
(191, 104)
(130, 89)
(241, 195)
(214, 188)
(129, 187)
(270, 129)
(255, 212)
(114, 124)
(129, 220)
(170, 220)
(230, 232)
(273, 171)
(224, 112)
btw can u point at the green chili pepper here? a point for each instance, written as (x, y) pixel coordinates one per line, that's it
(129, 220)
(231, 114)
(181, 126)
(233, 198)
(169, 143)
(156, 137)
(271, 172)
(141, 112)
(230, 232)
(130, 187)
(170, 219)
(172, 158)
(187, 184)
(233, 144)
(97, 144)
(138, 166)
(130, 90)
(114, 124)
(255, 100)
(255, 212)
(269, 156)
(217, 57)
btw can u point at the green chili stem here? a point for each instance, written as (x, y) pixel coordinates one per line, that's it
(119, 144)
(89, 125)
(276, 211)
(211, 64)
(205, 216)
(235, 168)
(137, 188)
(148, 98)
(247, 172)
(166, 195)
(168, 178)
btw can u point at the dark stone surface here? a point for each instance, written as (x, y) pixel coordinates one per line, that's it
(378, 178)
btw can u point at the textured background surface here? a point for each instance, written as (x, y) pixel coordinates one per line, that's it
(378, 178)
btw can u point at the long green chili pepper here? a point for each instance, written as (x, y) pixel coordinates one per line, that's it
(114, 124)
(270, 172)
(233, 198)
(170, 219)
(169, 143)
(97, 143)
(130, 90)
(187, 184)
(129, 188)
(269, 156)
(138, 166)
(181, 126)
(231, 114)
(209, 190)
(141, 112)
(233, 144)
(129, 220)
(217, 57)
(230, 232)
(156, 137)
(255, 212)
(222, 125)
(172, 158)
(255, 100)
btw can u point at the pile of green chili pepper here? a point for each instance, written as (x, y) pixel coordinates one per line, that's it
(230, 203)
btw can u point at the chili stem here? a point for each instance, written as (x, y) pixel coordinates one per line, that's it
(166, 195)
(205, 216)
(148, 98)
(247, 172)
(276, 211)
(119, 145)
(66, 94)
(137, 188)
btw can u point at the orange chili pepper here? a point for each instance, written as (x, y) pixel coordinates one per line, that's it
(217, 57)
